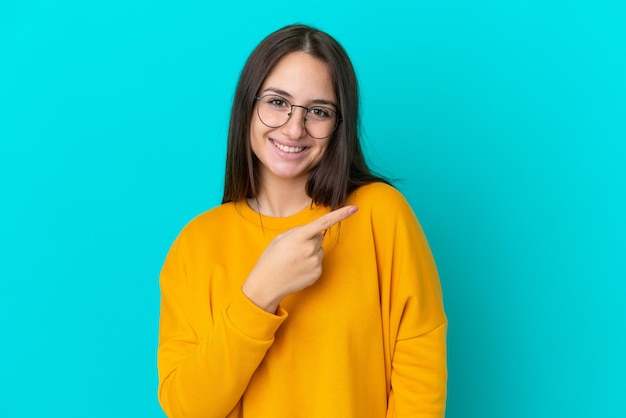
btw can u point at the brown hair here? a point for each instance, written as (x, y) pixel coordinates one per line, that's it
(342, 168)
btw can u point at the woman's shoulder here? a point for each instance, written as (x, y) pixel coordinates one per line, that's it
(377, 195)
(212, 220)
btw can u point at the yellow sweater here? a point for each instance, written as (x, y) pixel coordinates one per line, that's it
(366, 340)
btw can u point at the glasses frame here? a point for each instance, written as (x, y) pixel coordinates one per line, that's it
(306, 112)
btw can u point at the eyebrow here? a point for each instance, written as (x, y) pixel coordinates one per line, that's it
(289, 96)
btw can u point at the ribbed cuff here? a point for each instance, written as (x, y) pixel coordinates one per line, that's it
(253, 321)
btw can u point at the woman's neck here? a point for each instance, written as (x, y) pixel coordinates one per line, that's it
(280, 200)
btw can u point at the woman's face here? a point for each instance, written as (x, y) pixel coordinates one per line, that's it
(289, 152)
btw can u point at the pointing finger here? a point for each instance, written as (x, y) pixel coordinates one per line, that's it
(326, 221)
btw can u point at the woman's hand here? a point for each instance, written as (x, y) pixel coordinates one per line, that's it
(291, 262)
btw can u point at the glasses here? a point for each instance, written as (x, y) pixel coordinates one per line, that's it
(319, 121)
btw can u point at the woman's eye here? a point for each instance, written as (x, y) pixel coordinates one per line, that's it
(277, 102)
(320, 112)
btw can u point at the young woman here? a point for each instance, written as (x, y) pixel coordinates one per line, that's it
(285, 301)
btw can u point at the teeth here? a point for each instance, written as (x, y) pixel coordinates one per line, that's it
(286, 148)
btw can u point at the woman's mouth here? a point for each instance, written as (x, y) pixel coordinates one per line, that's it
(285, 148)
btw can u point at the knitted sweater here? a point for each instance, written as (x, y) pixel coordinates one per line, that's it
(366, 340)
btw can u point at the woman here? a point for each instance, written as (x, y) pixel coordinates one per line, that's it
(285, 301)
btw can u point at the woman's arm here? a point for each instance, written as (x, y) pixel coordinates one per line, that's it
(206, 376)
(413, 310)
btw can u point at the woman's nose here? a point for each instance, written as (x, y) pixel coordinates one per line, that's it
(295, 125)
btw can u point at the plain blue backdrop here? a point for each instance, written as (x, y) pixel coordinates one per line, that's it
(504, 123)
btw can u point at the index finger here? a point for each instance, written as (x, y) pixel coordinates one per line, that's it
(326, 221)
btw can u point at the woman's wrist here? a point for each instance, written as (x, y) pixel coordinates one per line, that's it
(261, 296)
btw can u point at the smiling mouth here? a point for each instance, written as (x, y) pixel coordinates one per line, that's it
(284, 148)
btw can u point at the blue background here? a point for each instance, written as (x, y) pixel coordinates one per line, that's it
(504, 123)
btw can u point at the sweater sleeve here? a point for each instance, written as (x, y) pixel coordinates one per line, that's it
(418, 378)
(417, 322)
(206, 376)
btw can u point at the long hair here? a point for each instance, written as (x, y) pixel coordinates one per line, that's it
(342, 167)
